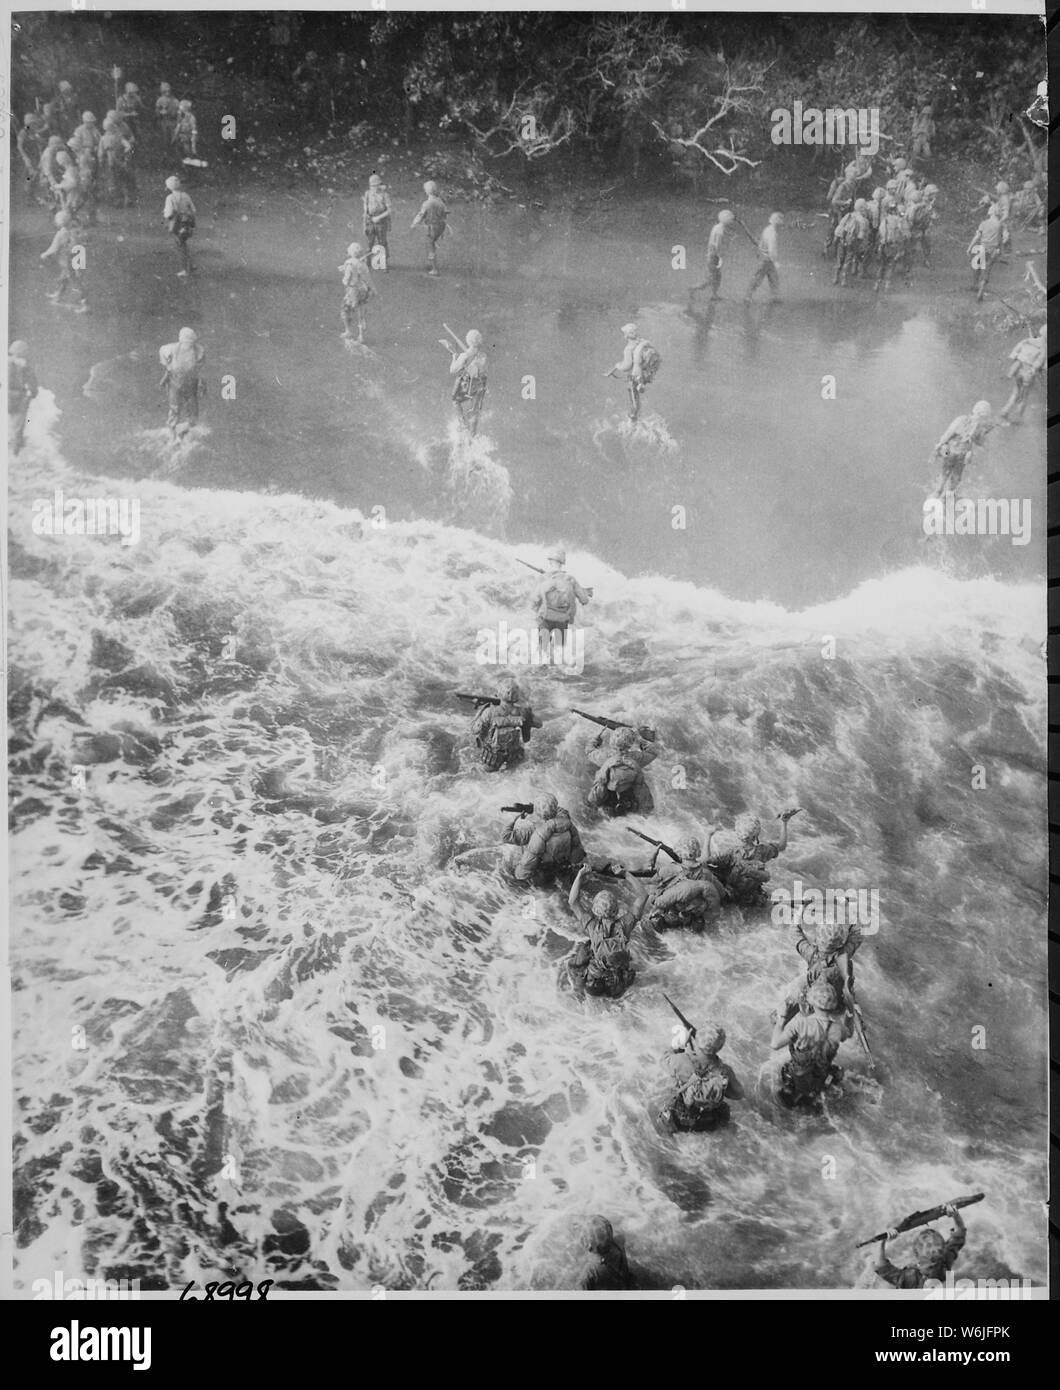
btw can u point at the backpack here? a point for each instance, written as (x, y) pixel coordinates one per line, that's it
(560, 603)
(507, 732)
(705, 1090)
(621, 776)
(649, 362)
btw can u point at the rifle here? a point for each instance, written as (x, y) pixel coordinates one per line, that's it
(479, 700)
(747, 234)
(921, 1218)
(680, 1015)
(647, 734)
(657, 843)
(461, 345)
(529, 566)
(859, 1031)
(523, 807)
(608, 872)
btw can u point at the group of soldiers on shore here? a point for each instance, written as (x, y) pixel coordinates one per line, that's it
(682, 887)
(73, 162)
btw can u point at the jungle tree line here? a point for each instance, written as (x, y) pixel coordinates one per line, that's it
(691, 90)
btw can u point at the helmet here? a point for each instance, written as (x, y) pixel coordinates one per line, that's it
(925, 110)
(891, 186)
(860, 205)
(899, 164)
(474, 337)
(63, 219)
(374, 181)
(622, 739)
(748, 827)
(1002, 187)
(878, 193)
(725, 217)
(310, 55)
(1030, 184)
(927, 1246)
(912, 194)
(510, 692)
(18, 349)
(131, 87)
(689, 847)
(55, 142)
(597, 1235)
(776, 219)
(822, 996)
(88, 118)
(558, 554)
(165, 88)
(65, 86)
(33, 121)
(187, 335)
(354, 248)
(546, 806)
(605, 904)
(982, 408)
(710, 1037)
(430, 187)
(184, 105)
(930, 190)
(831, 937)
(629, 329)
(173, 183)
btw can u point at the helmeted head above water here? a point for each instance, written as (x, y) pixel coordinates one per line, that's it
(173, 183)
(545, 806)
(892, 186)
(982, 409)
(776, 219)
(725, 217)
(430, 188)
(353, 250)
(165, 89)
(111, 116)
(748, 827)
(860, 205)
(132, 89)
(187, 336)
(925, 110)
(831, 937)
(879, 193)
(184, 105)
(87, 118)
(375, 181)
(62, 219)
(558, 554)
(597, 1235)
(474, 338)
(605, 904)
(899, 164)
(930, 190)
(912, 194)
(1029, 184)
(688, 847)
(710, 1037)
(1001, 187)
(623, 739)
(32, 121)
(18, 349)
(927, 1247)
(629, 330)
(510, 692)
(821, 996)
(65, 86)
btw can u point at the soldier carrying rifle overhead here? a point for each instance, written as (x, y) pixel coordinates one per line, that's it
(468, 364)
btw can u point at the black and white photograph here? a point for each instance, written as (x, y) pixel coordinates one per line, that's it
(525, 586)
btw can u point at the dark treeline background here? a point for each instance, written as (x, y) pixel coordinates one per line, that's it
(534, 91)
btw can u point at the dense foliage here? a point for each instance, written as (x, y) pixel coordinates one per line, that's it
(693, 91)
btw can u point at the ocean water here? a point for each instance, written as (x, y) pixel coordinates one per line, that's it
(264, 1027)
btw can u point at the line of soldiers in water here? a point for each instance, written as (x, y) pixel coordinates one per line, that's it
(682, 887)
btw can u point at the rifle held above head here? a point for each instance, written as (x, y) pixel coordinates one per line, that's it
(524, 808)
(529, 566)
(659, 845)
(478, 700)
(921, 1218)
(680, 1015)
(610, 870)
(647, 734)
(455, 337)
